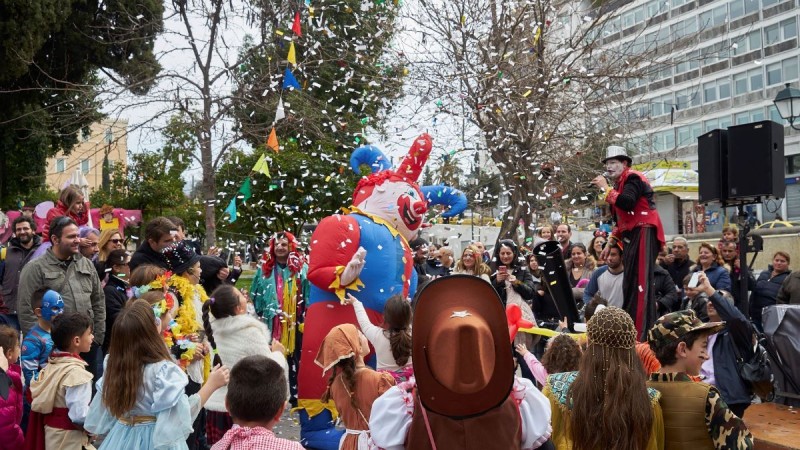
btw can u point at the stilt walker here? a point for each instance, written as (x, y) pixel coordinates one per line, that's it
(638, 230)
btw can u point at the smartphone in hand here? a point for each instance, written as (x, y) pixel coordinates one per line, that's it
(694, 281)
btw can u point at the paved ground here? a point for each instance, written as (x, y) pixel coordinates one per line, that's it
(288, 428)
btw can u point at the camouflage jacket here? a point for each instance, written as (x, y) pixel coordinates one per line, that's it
(727, 431)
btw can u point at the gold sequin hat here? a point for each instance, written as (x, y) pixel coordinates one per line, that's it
(612, 327)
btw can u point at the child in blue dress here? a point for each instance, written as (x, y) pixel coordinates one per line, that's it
(140, 401)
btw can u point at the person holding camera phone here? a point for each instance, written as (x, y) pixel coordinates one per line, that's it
(509, 272)
(721, 369)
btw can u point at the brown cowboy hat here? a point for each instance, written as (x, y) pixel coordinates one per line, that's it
(461, 349)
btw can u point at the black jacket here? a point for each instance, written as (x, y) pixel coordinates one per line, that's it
(210, 267)
(738, 332)
(524, 286)
(116, 296)
(543, 306)
(436, 269)
(678, 271)
(665, 293)
(146, 255)
(765, 293)
(16, 258)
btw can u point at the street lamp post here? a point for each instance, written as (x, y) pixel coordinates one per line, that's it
(788, 103)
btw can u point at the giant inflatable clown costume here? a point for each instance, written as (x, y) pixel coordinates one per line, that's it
(364, 251)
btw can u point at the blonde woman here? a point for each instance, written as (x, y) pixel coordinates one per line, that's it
(471, 263)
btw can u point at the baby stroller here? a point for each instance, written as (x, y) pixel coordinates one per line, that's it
(782, 343)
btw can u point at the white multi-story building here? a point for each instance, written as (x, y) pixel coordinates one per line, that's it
(744, 52)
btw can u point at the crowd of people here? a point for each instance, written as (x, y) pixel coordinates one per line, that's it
(158, 349)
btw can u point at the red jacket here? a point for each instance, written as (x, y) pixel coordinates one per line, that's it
(11, 411)
(644, 212)
(61, 210)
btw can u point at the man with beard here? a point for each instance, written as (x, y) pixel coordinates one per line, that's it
(607, 280)
(563, 235)
(12, 259)
(638, 229)
(63, 269)
(279, 289)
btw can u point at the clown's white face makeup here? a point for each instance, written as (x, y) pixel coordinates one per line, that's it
(614, 167)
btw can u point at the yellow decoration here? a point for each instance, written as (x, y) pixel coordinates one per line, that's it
(340, 289)
(289, 330)
(550, 333)
(291, 56)
(187, 315)
(314, 407)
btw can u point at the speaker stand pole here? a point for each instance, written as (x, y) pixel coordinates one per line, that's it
(744, 270)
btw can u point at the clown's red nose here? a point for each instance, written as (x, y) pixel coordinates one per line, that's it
(420, 208)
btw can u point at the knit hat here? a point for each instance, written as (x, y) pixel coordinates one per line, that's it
(180, 257)
(673, 326)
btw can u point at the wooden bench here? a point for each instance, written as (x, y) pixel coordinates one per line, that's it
(774, 427)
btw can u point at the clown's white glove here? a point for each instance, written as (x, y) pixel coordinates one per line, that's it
(353, 268)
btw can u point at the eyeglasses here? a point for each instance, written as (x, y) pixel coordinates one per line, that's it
(116, 241)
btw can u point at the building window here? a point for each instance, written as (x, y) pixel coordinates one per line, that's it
(688, 134)
(85, 166)
(739, 8)
(766, 3)
(687, 98)
(662, 105)
(709, 125)
(714, 17)
(684, 28)
(61, 165)
(736, 8)
(656, 7)
(751, 6)
(716, 90)
(747, 42)
(628, 20)
(756, 78)
(755, 115)
(781, 72)
(775, 116)
(772, 34)
(779, 32)
(789, 28)
(611, 26)
(690, 62)
(664, 140)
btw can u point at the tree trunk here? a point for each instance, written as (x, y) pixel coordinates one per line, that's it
(209, 188)
(520, 209)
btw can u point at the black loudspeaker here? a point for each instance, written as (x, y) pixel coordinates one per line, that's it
(755, 161)
(712, 173)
